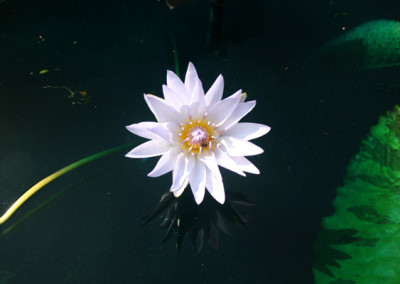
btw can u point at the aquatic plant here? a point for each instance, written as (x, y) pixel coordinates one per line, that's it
(372, 45)
(195, 133)
(360, 242)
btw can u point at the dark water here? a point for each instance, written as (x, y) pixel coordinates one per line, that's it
(118, 50)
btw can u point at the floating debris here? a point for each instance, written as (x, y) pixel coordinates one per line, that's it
(77, 97)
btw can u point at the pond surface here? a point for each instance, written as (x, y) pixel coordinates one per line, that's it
(73, 75)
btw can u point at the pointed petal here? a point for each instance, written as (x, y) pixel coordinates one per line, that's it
(241, 110)
(224, 160)
(210, 161)
(171, 98)
(176, 85)
(197, 106)
(142, 129)
(246, 165)
(181, 189)
(161, 110)
(247, 130)
(215, 186)
(198, 181)
(148, 149)
(197, 111)
(184, 166)
(219, 112)
(198, 92)
(184, 114)
(168, 131)
(239, 147)
(165, 164)
(238, 93)
(214, 94)
(214, 183)
(191, 78)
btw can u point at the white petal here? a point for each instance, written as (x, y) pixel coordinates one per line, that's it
(214, 94)
(239, 147)
(148, 149)
(165, 164)
(198, 92)
(180, 190)
(247, 130)
(214, 183)
(183, 167)
(191, 77)
(142, 129)
(176, 85)
(219, 112)
(198, 181)
(215, 186)
(197, 107)
(167, 131)
(161, 110)
(210, 161)
(184, 114)
(241, 110)
(224, 160)
(196, 111)
(171, 98)
(246, 165)
(238, 93)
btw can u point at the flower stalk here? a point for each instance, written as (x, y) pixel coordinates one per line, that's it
(30, 192)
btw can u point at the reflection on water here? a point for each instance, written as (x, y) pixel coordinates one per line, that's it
(115, 52)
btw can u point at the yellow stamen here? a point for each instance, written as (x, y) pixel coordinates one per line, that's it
(197, 136)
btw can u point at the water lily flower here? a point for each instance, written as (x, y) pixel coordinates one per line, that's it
(196, 132)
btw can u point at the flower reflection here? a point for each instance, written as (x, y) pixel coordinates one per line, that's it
(184, 218)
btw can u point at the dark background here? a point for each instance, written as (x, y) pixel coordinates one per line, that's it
(118, 50)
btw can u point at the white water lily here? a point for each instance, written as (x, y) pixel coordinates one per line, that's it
(196, 132)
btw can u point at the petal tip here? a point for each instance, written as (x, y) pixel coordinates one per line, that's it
(199, 199)
(130, 156)
(221, 200)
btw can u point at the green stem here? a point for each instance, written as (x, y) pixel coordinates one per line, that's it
(24, 197)
(41, 205)
(175, 52)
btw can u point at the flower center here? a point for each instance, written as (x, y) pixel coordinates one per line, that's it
(197, 136)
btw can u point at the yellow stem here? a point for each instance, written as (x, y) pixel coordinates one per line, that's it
(24, 197)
